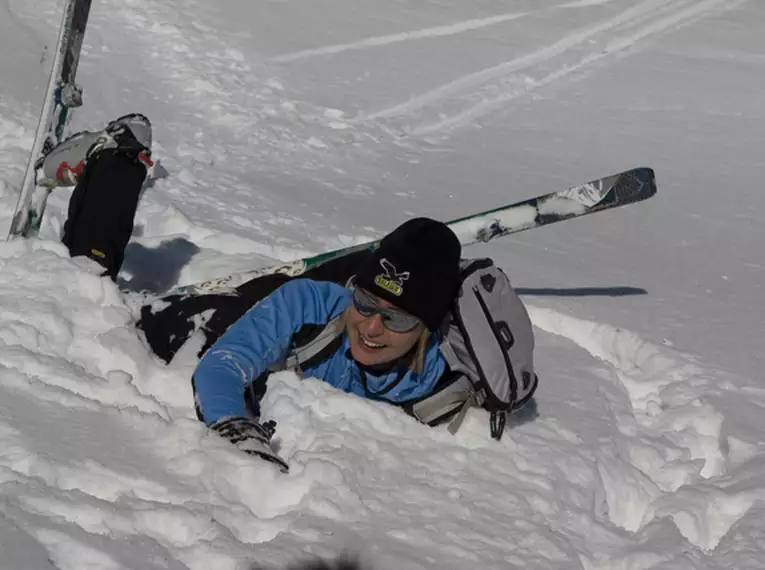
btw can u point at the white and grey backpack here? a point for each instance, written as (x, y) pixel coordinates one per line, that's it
(489, 346)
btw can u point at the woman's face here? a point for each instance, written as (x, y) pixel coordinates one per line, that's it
(371, 343)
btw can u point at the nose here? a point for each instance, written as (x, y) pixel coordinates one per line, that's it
(373, 326)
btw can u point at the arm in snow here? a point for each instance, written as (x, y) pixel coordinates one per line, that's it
(259, 339)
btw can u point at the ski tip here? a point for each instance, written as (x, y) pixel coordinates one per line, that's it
(635, 185)
(648, 176)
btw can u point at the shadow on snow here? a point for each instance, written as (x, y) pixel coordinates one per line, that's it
(155, 270)
(621, 291)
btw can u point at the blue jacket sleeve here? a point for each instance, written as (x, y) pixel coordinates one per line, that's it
(259, 339)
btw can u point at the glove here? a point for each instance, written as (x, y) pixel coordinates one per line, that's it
(251, 437)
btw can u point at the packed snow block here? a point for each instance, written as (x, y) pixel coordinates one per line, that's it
(102, 208)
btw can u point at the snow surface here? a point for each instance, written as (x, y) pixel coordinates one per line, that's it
(288, 127)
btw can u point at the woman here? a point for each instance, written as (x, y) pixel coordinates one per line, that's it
(388, 349)
(390, 318)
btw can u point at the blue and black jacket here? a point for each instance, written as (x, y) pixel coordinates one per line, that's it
(265, 333)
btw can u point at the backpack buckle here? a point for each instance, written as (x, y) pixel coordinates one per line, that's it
(497, 424)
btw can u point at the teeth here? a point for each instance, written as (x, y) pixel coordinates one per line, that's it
(370, 344)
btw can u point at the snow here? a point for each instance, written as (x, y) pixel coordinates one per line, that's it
(291, 128)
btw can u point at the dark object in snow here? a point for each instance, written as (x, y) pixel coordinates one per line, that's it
(251, 437)
(344, 563)
(102, 208)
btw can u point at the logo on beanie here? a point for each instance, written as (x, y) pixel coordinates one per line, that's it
(392, 281)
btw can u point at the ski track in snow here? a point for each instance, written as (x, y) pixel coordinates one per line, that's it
(434, 32)
(473, 96)
(208, 85)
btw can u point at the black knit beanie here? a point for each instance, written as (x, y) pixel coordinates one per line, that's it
(416, 268)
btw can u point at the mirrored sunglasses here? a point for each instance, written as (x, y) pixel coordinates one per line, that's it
(393, 320)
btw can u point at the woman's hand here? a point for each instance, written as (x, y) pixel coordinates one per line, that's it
(251, 437)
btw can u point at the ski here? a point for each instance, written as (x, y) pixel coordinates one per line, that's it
(61, 95)
(602, 194)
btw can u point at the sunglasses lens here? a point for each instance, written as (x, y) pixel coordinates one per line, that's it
(400, 323)
(364, 304)
(395, 321)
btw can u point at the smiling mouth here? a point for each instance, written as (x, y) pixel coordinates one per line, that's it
(370, 344)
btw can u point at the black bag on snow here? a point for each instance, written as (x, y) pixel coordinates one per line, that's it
(101, 211)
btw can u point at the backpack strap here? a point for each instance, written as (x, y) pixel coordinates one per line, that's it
(450, 401)
(455, 400)
(310, 347)
(312, 344)
(309, 352)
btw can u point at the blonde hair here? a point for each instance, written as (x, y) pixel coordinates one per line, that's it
(418, 360)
